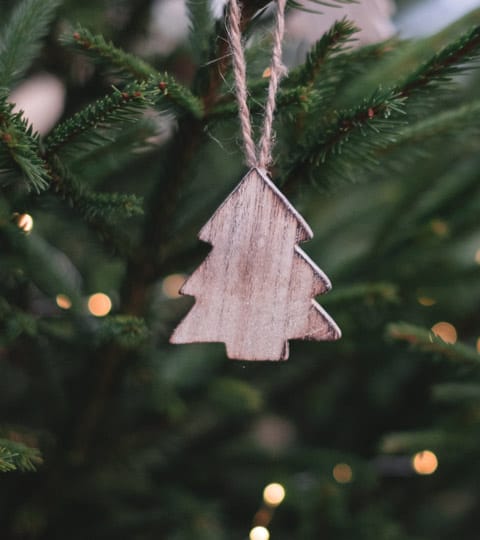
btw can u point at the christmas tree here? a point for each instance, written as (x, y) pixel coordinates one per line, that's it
(109, 431)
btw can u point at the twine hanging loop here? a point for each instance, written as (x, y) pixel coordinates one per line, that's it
(256, 156)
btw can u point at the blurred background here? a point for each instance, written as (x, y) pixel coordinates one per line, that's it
(375, 437)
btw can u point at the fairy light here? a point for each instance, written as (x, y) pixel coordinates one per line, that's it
(426, 301)
(99, 304)
(63, 301)
(439, 227)
(445, 331)
(171, 285)
(273, 494)
(24, 222)
(425, 462)
(342, 472)
(477, 256)
(259, 533)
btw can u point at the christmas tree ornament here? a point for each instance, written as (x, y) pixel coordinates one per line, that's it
(255, 290)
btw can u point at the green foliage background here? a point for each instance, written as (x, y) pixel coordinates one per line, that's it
(133, 438)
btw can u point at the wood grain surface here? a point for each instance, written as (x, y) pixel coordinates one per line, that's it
(256, 288)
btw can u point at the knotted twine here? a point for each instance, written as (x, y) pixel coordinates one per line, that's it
(256, 156)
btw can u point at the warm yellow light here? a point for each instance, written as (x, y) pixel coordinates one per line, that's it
(425, 462)
(267, 73)
(478, 345)
(99, 304)
(273, 494)
(259, 533)
(426, 301)
(63, 301)
(477, 256)
(439, 227)
(445, 331)
(171, 285)
(24, 222)
(342, 472)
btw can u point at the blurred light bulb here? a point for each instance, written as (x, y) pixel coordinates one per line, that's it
(99, 304)
(425, 462)
(273, 494)
(477, 256)
(342, 472)
(171, 285)
(426, 301)
(24, 222)
(63, 301)
(445, 331)
(259, 533)
(439, 227)
(478, 345)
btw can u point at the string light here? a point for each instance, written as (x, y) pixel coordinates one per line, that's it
(171, 285)
(445, 331)
(439, 227)
(273, 494)
(477, 256)
(426, 301)
(259, 533)
(24, 222)
(99, 304)
(342, 472)
(425, 462)
(63, 301)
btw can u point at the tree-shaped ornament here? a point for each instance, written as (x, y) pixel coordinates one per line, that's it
(256, 288)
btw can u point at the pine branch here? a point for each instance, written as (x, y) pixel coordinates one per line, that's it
(451, 123)
(455, 392)
(120, 107)
(162, 87)
(368, 292)
(342, 142)
(123, 330)
(201, 28)
(105, 53)
(169, 93)
(17, 456)
(109, 207)
(426, 341)
(22, 38)
(15, 323)
(451, 60)
(100, 210)
(19, 148)
(332, 42)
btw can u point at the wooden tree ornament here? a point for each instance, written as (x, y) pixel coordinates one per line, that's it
(255, 289)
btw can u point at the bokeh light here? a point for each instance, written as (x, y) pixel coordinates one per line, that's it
(445, 331)
(99, 304)
(477, 256)
(439, 227)
(478, 345)
(426, 301)
(342, 472)
(259, 533)
(171, 285)
(63, 301)
(24, 222)
(425, 462)
(273, 494)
